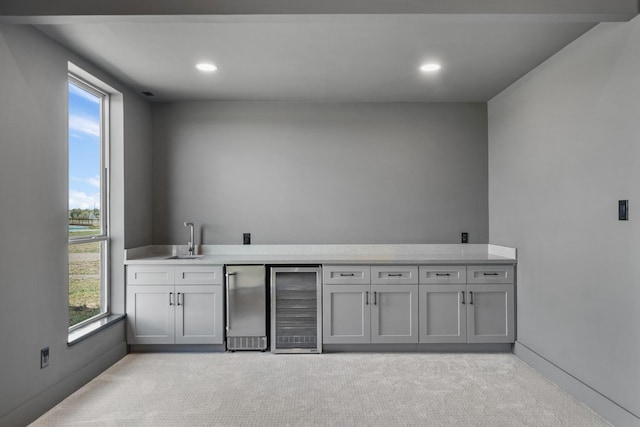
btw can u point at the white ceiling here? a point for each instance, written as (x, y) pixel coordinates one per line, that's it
(318, 58)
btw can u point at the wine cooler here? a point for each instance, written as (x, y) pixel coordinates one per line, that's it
(296, 310)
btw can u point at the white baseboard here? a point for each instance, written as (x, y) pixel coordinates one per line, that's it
(48, 398)
(602, 405)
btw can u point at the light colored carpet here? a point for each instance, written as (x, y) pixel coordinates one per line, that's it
(339, 389)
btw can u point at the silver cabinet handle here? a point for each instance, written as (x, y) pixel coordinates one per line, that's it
(471, 298)
(490, 274)
(179, 295)
(394, 274)
(366, 298)
(346, 274)
(170, 298)
(463, 298)
(443, 274)
(375, 298)
(227, 285)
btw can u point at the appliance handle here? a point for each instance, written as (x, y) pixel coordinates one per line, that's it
(228, 285)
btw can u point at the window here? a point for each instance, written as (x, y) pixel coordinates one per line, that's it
(88, 202)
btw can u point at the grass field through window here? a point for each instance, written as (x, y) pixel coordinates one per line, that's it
(84, 279)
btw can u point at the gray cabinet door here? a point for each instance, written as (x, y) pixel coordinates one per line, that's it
(490, 313)
(150, 314)
(394, 274)
(198, 312)
(198, 275)
(346, 274)
(443, 313)
(346, 314)
(394, 313)
(490, 274)
(150, 275)
(441, 274)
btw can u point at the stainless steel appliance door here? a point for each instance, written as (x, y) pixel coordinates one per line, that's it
(296, 309)
(246, 301)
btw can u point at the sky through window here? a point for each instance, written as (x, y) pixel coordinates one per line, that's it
(84, 148)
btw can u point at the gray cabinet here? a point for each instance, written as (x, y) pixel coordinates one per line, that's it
(460, 304)
(440, 274)
(174, 305)
(394, 314)
(491, 304)
(358, 313)
(394, 274)
(346, 316)
(198, 314)
(346, 275)
(150, 314)
(490, 313)
(443, 314)
(490, 274)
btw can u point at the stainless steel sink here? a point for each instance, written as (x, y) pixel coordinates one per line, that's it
(184, 257)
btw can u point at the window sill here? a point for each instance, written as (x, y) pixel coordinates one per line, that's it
(93, 328)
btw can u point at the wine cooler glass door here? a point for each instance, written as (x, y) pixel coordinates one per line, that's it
(296, 325)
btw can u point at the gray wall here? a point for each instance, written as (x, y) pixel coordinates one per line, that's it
(320, 173)
(563, 149)
(137, 171)
(33, 224)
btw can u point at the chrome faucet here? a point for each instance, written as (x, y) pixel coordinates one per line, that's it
(191, 245)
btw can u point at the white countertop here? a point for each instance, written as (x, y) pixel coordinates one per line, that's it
(326, 254)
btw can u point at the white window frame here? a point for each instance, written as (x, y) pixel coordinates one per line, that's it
(104, 236)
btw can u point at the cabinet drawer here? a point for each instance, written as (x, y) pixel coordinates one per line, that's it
(394, 274)
(346, 275)
(196, 275)
(489, 274)
(149, 275)
(443, 274)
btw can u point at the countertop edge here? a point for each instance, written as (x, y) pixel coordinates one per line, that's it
(325, 254)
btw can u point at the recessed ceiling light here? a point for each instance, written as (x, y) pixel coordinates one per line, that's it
(203, 66)
(430, 67)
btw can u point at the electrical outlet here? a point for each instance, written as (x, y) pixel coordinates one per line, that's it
(44, 358)
(246, 238)
(464, 238)
(623, 210)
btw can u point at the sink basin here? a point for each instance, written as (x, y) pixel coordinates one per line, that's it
(184, 257)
